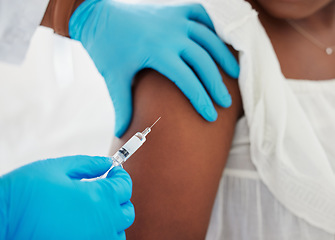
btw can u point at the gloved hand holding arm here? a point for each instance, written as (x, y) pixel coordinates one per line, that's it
(177, 41)
(47, 200)
(124, 38)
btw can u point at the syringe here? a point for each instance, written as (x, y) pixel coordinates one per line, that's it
(129, 148)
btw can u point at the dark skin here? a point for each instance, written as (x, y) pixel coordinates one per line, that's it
(177, 172)
(298, 57)
(184, 166)
(60, 12)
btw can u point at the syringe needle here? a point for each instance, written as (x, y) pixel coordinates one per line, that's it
(148, 129)
(155, 122)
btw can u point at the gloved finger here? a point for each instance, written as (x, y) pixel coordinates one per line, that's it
(216, 48)
(122, 100)
(197, 12)
(81, 166)
(125, 216)
(206, 69)
(121, 235)
(117, 182)
(128, 213)
(178, 72)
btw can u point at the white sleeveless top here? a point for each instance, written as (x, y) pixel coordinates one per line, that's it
(245, 208)
(279, 182)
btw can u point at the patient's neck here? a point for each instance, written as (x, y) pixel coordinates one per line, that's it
(299, 57)
(322, 23)
(323, 18)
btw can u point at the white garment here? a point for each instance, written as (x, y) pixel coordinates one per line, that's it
(18, 22)
(54, 104)
(279, 182)
(244, 208)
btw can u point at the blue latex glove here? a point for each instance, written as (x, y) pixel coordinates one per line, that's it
(125, 38)
(47, 200)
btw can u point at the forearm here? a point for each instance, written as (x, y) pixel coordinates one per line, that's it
(58, 14)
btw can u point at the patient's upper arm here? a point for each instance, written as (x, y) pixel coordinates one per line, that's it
(177, 171)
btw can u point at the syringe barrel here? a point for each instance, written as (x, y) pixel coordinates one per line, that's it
(129, 148)
(122, 155)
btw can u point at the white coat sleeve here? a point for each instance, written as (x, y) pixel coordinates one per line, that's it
(18, 21)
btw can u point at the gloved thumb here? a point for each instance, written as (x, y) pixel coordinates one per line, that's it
(78, 167)
(120, 93)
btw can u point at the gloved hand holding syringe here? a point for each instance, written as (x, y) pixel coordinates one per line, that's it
(129, 148)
